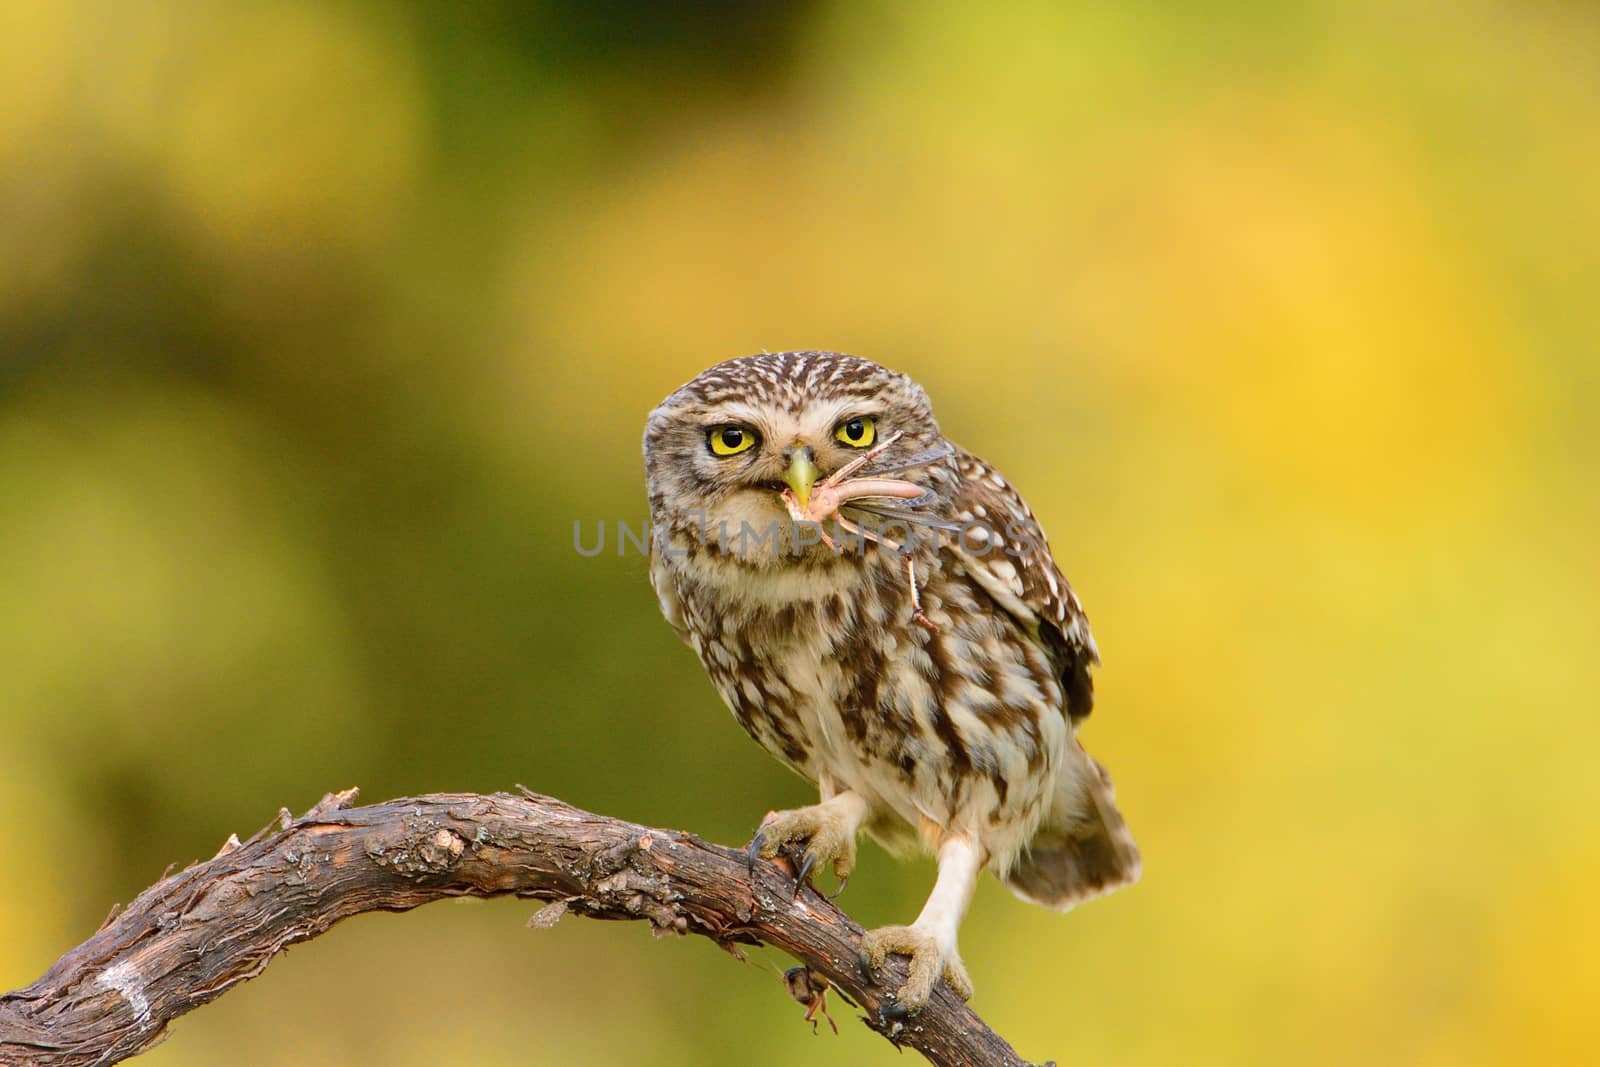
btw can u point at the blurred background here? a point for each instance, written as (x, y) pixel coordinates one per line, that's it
(321, 322)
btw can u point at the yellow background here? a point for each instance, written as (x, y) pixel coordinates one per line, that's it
(320, 323)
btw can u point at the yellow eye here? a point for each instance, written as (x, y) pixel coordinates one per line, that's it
(857, 433)
(730, 440)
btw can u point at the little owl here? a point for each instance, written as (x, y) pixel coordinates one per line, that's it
(907, 642)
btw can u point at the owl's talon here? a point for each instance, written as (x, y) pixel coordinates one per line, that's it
(753, 852)
(807, 861)
(836, 893)
(828, 830)
(929, 963)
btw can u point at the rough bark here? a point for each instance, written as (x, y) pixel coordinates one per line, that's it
(193, 935)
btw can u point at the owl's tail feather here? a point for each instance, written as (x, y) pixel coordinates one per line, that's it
(1082, 849)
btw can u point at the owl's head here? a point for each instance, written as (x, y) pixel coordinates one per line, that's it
(720, 451)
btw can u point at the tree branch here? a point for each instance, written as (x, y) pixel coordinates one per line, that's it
(193, 935)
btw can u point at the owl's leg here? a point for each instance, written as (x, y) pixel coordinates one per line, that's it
(931, 940)
(829, 830)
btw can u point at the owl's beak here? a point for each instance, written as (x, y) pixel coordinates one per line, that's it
(801, 476)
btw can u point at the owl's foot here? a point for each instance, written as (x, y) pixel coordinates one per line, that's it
(930, 961)
(931, 940)
(828, 829)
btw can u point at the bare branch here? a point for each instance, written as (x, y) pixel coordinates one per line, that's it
(194, 934)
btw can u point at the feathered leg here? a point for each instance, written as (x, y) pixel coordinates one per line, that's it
(931, 940)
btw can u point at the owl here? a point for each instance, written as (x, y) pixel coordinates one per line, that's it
(880, 611)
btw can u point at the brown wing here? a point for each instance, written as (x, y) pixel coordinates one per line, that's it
(1005, 551)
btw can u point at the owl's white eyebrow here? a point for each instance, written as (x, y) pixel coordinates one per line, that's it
(846, 412)
(742, 414)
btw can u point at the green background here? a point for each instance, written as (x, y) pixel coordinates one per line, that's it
(320, 323)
